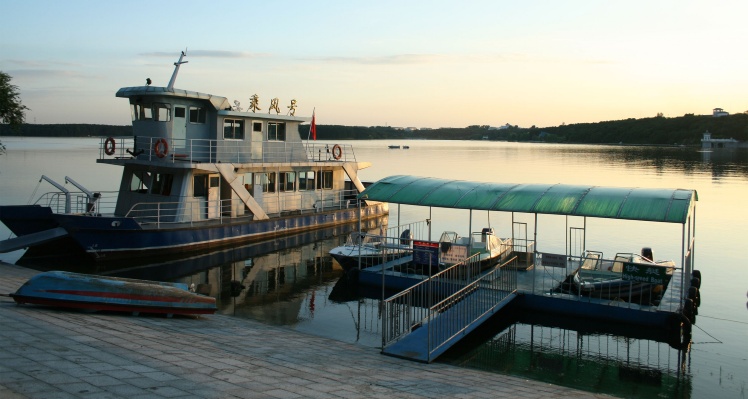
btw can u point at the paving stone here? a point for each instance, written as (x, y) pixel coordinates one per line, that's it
(47, 353)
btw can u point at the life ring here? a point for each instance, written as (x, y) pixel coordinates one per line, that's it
(157, 148)
(337, 152)
(109, 146)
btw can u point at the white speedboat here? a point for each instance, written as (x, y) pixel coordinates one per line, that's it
(363, 250)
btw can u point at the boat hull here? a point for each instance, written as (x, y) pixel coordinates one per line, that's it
(83, 291)
(352, 260)
(113, 238)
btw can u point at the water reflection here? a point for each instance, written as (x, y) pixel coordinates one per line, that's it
(659, 160)
(581, 354)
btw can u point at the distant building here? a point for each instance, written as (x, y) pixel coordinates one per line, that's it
(506, 126)
(708, 142)
(717, 112)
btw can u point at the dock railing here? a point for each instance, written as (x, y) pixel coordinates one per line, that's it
(460, 294)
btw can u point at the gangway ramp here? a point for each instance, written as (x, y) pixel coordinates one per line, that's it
(28, 240)
(415, 331)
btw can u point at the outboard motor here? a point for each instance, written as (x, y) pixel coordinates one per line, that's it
(485, 232)
(406, 237)
(647, 254)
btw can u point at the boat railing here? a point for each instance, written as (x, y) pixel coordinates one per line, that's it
(79, 202)
(194, 210)
(213, 151)
(460, 290)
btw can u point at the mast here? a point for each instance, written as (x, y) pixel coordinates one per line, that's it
(170, 87)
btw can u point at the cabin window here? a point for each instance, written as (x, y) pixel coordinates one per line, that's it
(162, 183)
(161, 112)
(306, 181)
(276, 131)
(179, 112)
(233, 129)
(266, 181)
(139, 181)
(141, 112)
(325, 180)
(200, 186)
(257, 127)
(197, 115)
(287, 181)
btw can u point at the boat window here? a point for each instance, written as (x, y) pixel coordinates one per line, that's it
(161, 112)
(257, 127)
(233, 129)
(162, 183)
(197, 115)
(139, 181)
(266, 181)
(325, 180)
(141, 112)
(287, 181)
(200, 186)
(276, 131)
(306, 181)
(179, 112)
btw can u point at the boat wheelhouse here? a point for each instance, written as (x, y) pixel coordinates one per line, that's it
(200, 173)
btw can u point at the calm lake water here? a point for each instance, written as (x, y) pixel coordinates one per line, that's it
(294, 283)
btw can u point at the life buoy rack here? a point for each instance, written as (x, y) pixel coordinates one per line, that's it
(109, 146)
(337, 152)
(161, 148)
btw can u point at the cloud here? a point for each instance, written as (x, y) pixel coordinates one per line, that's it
(44, 73)
(207, 54)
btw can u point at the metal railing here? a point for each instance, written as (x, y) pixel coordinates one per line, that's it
(213, 151)
(460, 290)
(79, 202)
(193, 210)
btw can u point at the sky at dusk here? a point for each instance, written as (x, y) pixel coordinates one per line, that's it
(395, 63)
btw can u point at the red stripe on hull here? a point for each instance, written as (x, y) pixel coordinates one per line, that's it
(110, 306)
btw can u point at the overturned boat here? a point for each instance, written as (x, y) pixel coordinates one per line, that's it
(198, 173)
(85, 291)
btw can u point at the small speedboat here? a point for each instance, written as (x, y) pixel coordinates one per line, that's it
(630, 277)
(365, 250)
(489, 248)
(91, 292)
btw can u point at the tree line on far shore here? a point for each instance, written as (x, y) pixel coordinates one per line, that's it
(684, 130)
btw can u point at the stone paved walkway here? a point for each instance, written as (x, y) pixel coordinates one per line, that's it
(46, 353)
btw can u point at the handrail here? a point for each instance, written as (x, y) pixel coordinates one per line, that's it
(411, 308)
(234, 151)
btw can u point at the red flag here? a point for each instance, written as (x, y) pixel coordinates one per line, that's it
(313, 127)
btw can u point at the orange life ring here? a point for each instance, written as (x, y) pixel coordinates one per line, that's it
(109, 146)
(157, 148)
(337, 152)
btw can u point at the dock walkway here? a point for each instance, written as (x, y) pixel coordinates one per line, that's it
(47, 353)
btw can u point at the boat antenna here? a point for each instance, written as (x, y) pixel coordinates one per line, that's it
(170, 87)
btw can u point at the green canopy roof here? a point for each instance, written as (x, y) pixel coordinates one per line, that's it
(650, 204)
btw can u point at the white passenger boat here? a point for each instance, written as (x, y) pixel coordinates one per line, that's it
(199, 173)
